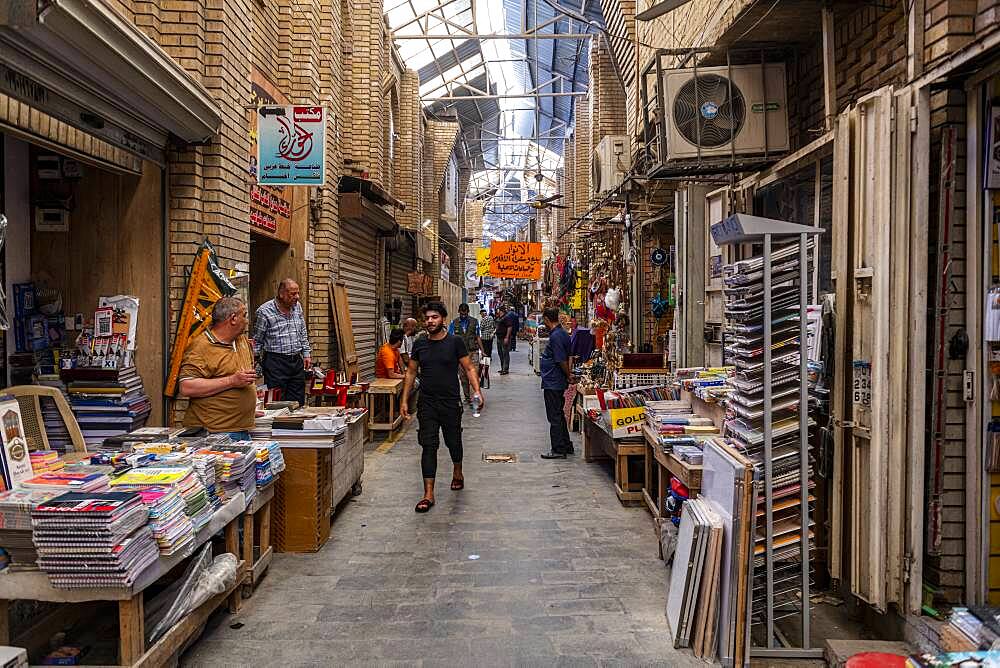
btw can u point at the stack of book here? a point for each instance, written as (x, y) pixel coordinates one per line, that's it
(269, 462)
(208, 468)
(55, 427)
(171, 526)
(181, 478)
(65, 481)
(239, 468)
(107, 402)
(89, 539)
(45, 461)
(264, 421)
(15, 523)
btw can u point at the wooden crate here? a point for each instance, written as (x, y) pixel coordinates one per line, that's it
(303, 500)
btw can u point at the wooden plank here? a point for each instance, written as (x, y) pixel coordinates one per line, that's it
(341, 312)
(917, 337)
(233, 547)
(131, 630)
(841, 274)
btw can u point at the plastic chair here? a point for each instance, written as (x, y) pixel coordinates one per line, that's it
(29, 399)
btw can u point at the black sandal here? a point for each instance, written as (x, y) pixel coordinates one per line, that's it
(457, 484)
(424, 505)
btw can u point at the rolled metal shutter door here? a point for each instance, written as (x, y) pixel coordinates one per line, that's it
(358, 266)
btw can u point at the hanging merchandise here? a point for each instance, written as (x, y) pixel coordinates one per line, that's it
(658, 305)
(658, 257)
(613, 298)
(991, 328)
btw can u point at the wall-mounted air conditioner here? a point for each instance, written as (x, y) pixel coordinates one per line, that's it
(724, 111)
(609, 164)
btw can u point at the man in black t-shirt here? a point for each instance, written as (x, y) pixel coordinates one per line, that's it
(436, 357)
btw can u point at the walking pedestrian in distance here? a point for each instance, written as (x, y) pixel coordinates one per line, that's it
(280, 338)
(556, 374)
(503, 339)
(437, 358)
(487, 330)
(515, 315)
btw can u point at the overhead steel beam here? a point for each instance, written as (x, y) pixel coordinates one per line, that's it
(506, 96)
(546, 35)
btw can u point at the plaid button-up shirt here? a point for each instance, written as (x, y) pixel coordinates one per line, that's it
(275, 332)
(487, 327)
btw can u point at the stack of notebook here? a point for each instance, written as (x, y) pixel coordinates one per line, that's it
(68, 480)
(239, 468)
(181, 478)
(45, 461)
(15, 523)
(269, 462)
(88, 539)
(107, 402)
(171, 526)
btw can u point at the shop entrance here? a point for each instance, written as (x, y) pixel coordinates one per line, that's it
(271, 261)
(78, 231)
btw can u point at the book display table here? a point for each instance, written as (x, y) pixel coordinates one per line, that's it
(132, 648)
(599, 444)
(660, 466)
(257, 548)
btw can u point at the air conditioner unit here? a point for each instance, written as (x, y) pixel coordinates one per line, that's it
(740, 110)
(609, 164)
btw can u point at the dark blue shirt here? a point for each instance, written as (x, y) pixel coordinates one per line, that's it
(556, 352)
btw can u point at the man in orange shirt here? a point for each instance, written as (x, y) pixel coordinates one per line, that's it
(389, 364)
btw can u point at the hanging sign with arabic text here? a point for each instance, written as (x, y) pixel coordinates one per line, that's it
(516, 259)
(291, 145)
(482, 262)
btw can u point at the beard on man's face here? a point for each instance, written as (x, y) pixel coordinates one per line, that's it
(434, 328)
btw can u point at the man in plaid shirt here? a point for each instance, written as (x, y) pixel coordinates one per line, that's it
(281, 340)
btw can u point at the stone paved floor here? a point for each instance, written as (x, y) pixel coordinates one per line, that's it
(565, 574)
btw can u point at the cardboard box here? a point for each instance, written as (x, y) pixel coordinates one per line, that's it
(303, 500)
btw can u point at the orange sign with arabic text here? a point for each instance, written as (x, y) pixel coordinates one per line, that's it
(516, 259)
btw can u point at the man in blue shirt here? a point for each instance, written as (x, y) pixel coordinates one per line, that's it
(556, 373)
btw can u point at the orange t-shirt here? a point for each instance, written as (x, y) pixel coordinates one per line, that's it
(388, 360)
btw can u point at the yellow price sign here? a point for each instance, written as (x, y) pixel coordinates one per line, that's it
(482, 262)
(626, 421)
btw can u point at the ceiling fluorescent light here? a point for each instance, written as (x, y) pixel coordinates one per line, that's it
(659, 9)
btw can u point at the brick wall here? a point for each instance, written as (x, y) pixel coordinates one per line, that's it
(439, 144)
(297, 45)
(607, 97)
(410, 126)
(367, 65)
(581, 158)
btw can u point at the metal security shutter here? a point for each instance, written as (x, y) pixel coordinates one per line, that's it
(358, 264)
(400, 264)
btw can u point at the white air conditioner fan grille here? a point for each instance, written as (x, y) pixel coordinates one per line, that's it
(709, 110)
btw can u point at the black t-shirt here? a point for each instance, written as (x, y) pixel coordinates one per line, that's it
(439, 366)
(507, 322)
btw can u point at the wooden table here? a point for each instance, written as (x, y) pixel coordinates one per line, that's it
(660, 466)
(598, 444)
(385, 387)
(132, 650)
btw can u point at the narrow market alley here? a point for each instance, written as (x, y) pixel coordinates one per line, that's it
(534, 563)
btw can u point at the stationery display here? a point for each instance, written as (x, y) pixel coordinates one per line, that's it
(107, 403)
(768, 418)
(87, 539)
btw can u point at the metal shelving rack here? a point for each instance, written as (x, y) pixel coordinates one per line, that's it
(740, 229)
